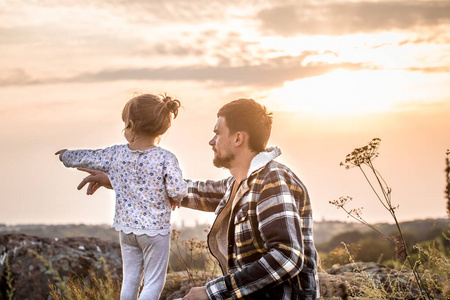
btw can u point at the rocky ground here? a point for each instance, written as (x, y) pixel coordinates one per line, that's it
(32, 258)
(33, 262)
(342, 282)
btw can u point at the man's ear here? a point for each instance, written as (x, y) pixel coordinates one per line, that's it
(240, 138)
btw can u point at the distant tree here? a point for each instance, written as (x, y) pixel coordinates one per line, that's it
(347, 237)
(374, 248)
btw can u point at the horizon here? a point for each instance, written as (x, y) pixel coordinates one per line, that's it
(335, 76)
(205, 222)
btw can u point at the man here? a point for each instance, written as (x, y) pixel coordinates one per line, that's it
(262, 234)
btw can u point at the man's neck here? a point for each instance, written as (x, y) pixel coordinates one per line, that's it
(241, 165)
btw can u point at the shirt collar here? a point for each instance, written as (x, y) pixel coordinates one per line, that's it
(262, 159)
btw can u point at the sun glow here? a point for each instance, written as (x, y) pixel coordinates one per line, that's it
(346, 92)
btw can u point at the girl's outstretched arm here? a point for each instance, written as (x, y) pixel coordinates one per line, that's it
(60, 153)
(96, 179)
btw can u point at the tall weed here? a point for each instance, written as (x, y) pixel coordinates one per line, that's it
(193, 257)
(362, 158)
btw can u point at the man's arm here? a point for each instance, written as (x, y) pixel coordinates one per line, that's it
(96, 179)
(205, 195)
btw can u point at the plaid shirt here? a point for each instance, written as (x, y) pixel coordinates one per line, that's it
(271, 253)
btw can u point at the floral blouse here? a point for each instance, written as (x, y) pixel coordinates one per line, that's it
(143, 182)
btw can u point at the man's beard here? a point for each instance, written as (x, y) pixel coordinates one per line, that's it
(223, 161)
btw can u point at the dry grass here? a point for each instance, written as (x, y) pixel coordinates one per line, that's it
(76, 288)
(9, 280)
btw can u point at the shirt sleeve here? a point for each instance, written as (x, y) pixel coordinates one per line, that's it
(205, 195)
(176, 187)
(99, 159)
(279, 224)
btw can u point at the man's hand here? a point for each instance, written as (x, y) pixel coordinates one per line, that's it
(174, 203)
(96, 179)
(197, 293)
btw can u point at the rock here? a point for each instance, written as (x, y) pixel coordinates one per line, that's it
(351, 281)
(32, 258)
(362, 278)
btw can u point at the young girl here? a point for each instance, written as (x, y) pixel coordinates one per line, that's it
(147, 180)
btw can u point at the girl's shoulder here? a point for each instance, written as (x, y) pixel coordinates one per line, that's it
(168, 156)
(114, 148)
(120, 149)
(164, 151)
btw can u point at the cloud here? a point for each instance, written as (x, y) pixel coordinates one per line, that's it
(16, 77)
(175, 48)
(139, 40)
(286, 18)
(352, 17)
(435, 37)
(14, 35)
(188, 43)
(191, 12)
(437, 69)
(271, 73)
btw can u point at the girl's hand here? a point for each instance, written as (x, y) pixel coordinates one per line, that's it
(60, 153)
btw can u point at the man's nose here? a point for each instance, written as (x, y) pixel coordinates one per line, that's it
(212, 142)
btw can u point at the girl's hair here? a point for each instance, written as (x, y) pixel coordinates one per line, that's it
(149, 114)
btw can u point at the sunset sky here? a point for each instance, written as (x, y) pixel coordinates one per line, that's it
(335, 74)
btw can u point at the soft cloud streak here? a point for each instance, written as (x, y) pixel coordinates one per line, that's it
(269, 74)
(352, 17)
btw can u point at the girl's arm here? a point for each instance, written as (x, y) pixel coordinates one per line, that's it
(100, 159)
(176, 187)
(60, 153)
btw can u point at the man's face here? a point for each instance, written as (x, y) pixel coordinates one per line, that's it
(222, 144)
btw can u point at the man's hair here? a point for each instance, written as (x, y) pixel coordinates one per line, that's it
(251, 117)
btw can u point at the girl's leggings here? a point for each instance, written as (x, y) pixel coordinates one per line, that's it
(143, 255)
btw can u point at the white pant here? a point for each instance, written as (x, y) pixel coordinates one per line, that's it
(147, 256)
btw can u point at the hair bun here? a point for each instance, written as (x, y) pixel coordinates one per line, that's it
(171, 104)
